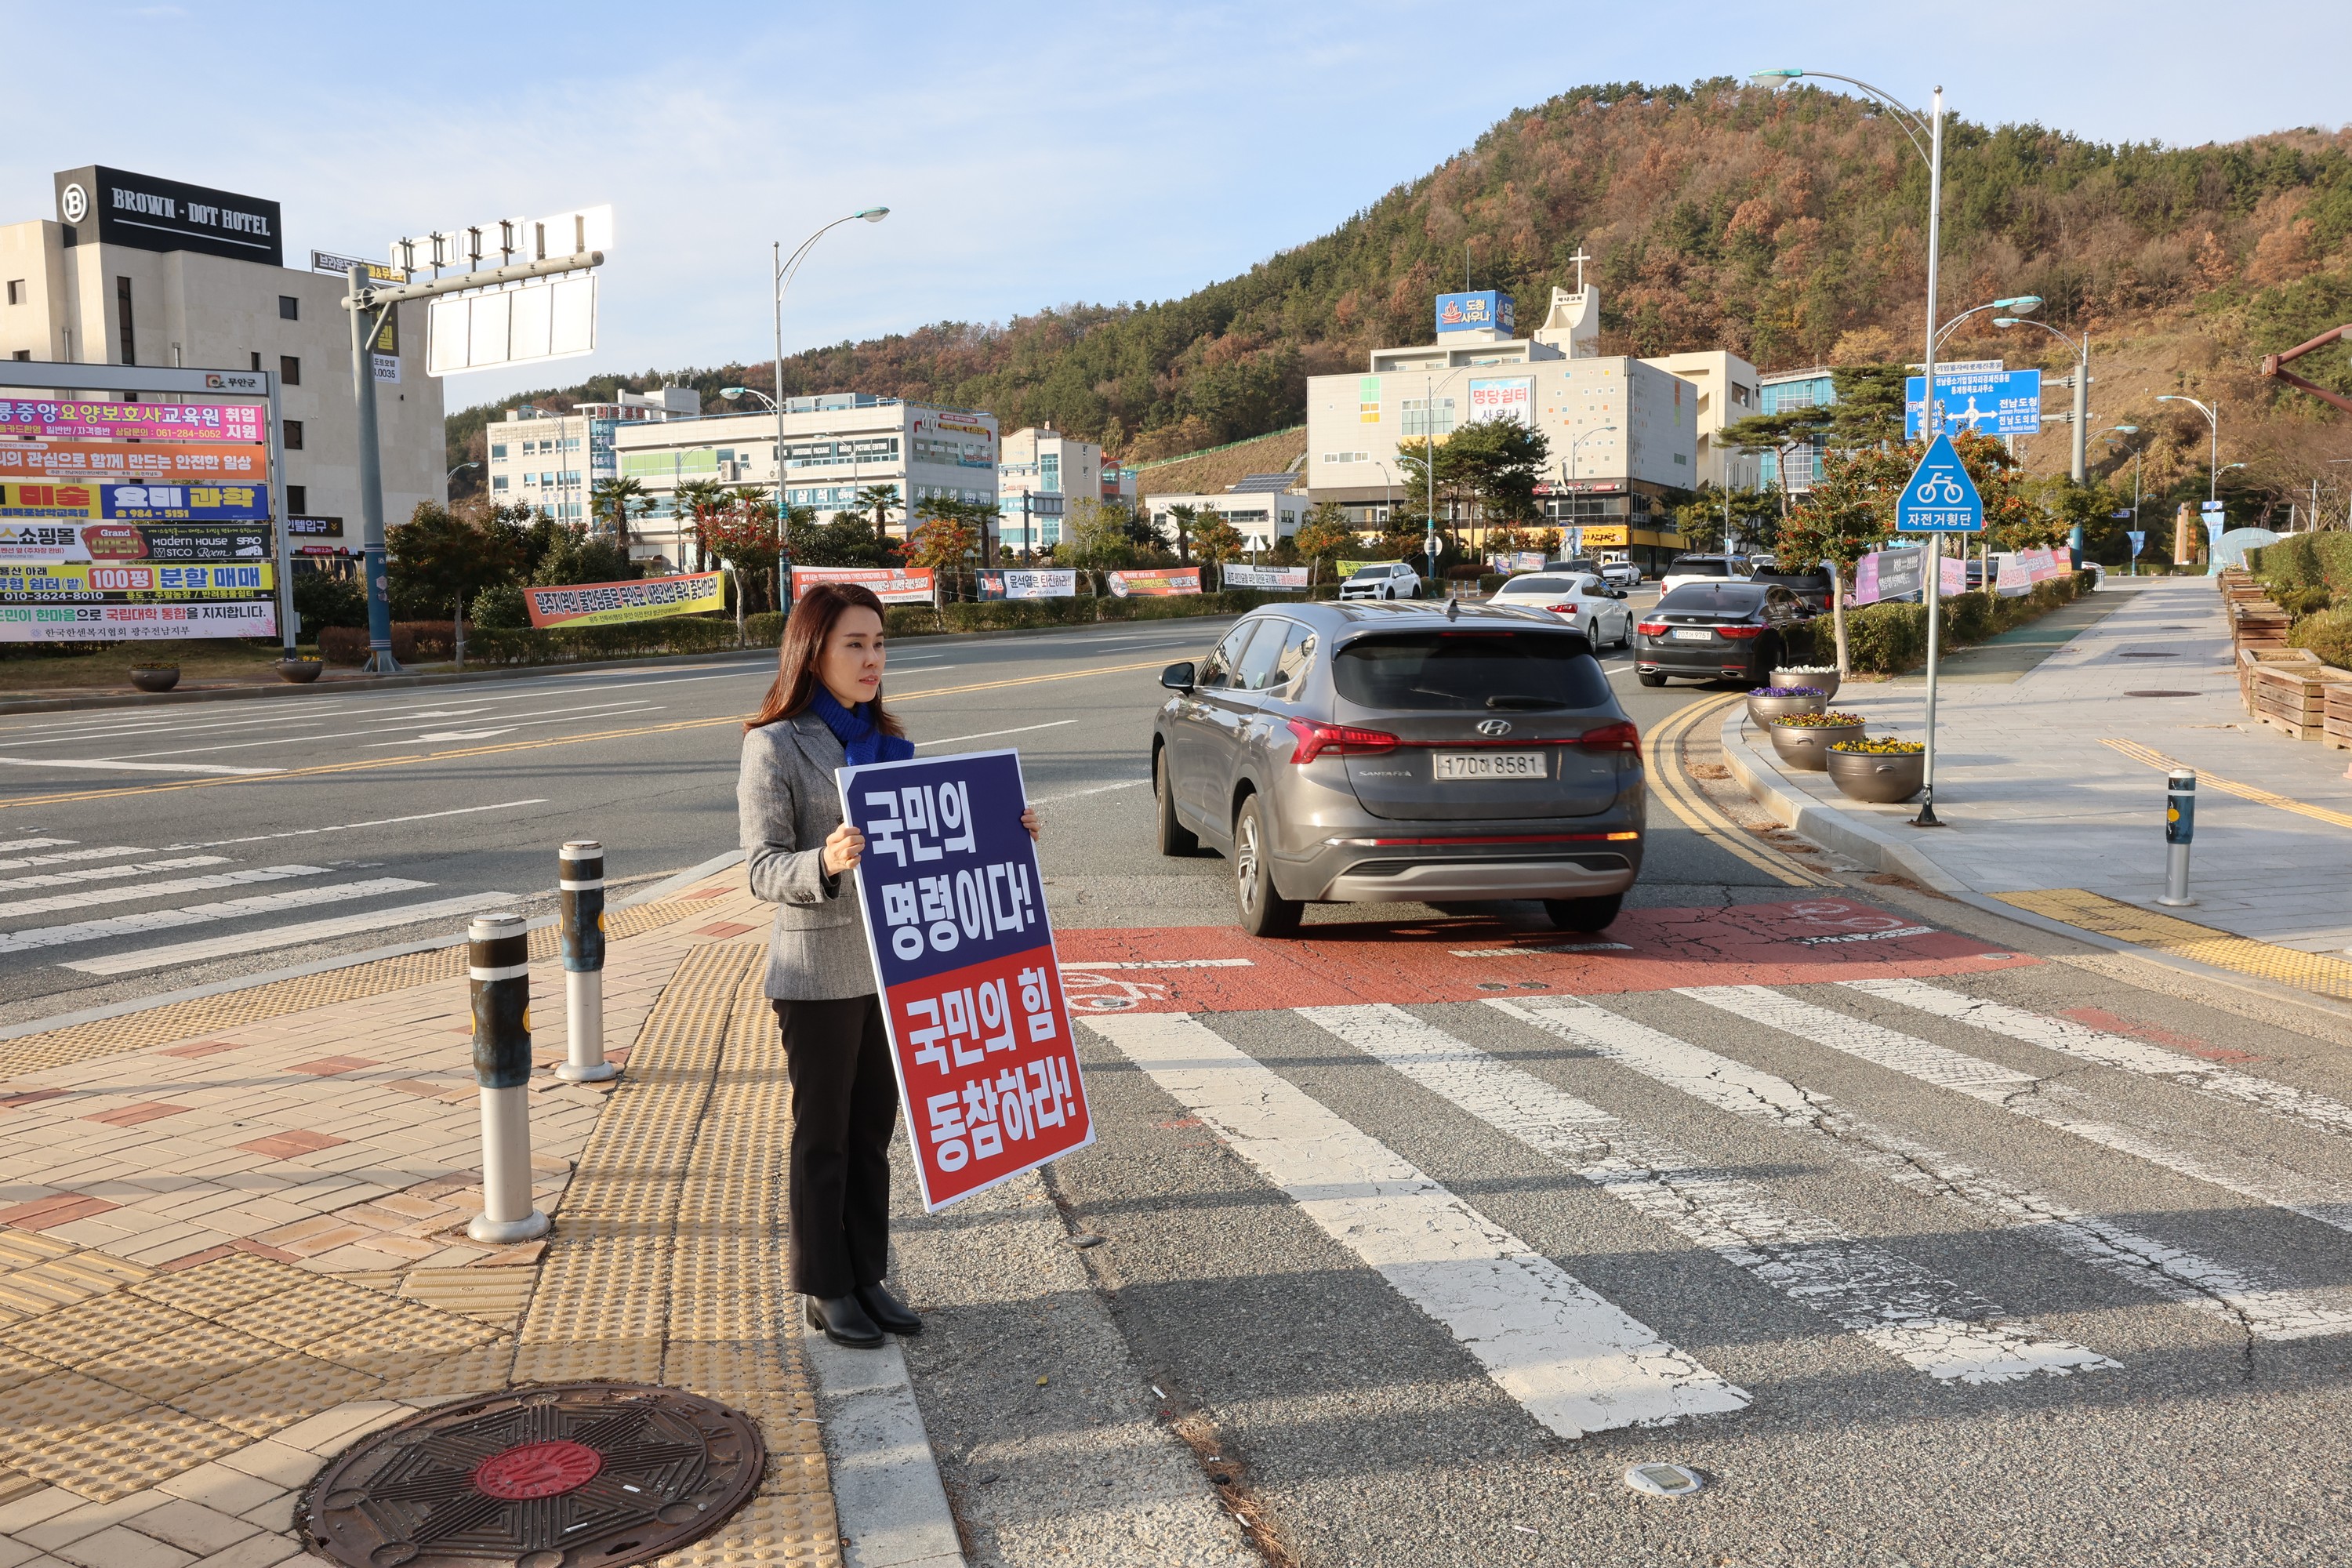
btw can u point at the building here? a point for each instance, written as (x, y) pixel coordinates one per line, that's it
(1795, 389)
(1038, 469)
(1622, 432)
(1727, 393)
(1263, 508)
(134, 269)
(836, 447)
(535, 453)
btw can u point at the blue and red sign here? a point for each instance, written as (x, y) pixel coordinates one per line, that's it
(972, 992)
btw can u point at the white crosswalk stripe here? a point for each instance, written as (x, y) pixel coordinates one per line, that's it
(272, 937)
(170, 889)
(2172, 1272)
(102, 852)
(201, 914)
(1574, 1361)
(109, 873)
(1906, 1311)
(14, 844)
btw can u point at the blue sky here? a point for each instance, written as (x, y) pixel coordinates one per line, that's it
(1031, 156)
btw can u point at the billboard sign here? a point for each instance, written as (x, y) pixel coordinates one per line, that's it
(1991, 403)
(48, 419)
(1504, 397)
(134, 503)
(1155, 584)
(107, 207)
(1486, 310)
(65, 540)
(536, 320)
(132, 582)
(1018, 584)
(609, 604)
(137, 622)
(1275, 578)
(126, 461)
(891, 584)
(964, 957)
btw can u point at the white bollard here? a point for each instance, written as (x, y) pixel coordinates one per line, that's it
(499, 965)
(580, 923)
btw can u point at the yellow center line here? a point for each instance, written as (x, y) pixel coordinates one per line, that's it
(1699, 814)
(2261, 796)
(369, 763)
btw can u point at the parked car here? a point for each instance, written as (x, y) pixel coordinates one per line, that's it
(1342, 752)
(1382, 580)
(1703, 569)
(1717, 631)
(1580, 599)
(1811, 588)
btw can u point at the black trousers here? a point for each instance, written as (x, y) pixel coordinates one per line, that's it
(844, 1104)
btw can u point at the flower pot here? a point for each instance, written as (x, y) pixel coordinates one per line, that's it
(1880, 779)
(1825, 681)
(1805, 748)
(1762, 710)
(301, 671)
(154, 677)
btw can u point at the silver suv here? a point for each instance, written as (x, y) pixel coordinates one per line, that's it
(1375, 753)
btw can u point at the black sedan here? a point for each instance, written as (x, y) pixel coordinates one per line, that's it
(1717, 631)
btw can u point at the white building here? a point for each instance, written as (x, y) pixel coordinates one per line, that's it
(1038, 473)
(1263, 509)
(1729, 392)
(536, 455)
(138, 270)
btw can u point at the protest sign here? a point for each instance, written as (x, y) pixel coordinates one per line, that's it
(964, 959)
(1155, 584)
(1276, 578)
(606, 603)
(1021, 582)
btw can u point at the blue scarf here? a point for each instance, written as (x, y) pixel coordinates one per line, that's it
(862, 740)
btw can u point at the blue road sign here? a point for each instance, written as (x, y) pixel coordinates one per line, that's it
(2138, 538)
(1991, 403)
(1940, 497)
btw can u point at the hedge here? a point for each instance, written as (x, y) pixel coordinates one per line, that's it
(1887, 639)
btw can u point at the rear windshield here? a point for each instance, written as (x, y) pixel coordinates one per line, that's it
(1692, 567)
(1540, 586)
(1450, 671)
(1713, 599)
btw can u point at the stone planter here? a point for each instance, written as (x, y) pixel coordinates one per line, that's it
(1804, 747)
(301, 671)
(1762, 710)
(154, 677)
(1825, 682)
(1887, 780)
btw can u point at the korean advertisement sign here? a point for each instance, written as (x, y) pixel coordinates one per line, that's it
(1276, 578)
(44, 419)
(963, 958)
(1504, 397)
(125, 462)
(891, 584)
(137, 622)
(63, 540)
(606, 603)
(134, 581)
(1467, 312)
(134, 503)
(1155, 584)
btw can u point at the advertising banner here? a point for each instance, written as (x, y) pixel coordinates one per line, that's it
(134, 503)
(63, 540)
(607, 604)
(1595, 535)
(132, 582)
(1156, 584)
(964, 957)
(1996, 402)
(1276, 579)
(137, 622)
(1505, 397)
(1014, 582)
(47, 419)
(134, 462)
(2041, 565)
(1953, 577)
(891, 584)
(1467, 312)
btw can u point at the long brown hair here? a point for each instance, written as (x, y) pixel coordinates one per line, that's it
(806, 629)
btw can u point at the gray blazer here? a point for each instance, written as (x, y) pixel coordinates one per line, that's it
(788, 803)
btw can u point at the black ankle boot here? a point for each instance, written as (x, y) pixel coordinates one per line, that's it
(888, 1310)
(844, 1321)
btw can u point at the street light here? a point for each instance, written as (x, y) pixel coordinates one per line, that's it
(455, 471)
(2137, 453)
(1570, 479)
(2213, 412)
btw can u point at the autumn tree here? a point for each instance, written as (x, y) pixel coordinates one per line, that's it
(1217, 540)
(1325, 532)
(438, 560)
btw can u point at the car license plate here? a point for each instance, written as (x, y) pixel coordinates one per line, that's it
(1490, 765)
(1690, 635)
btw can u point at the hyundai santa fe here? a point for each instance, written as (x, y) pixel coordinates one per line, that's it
(1369, 752)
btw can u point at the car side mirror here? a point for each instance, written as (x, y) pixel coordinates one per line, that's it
(1177, 676)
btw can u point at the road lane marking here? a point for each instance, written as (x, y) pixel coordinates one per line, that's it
(109, 873)
(1913, 1314)
(2320, 1198)
(1096, 789)
(200, 914)
(103, 852)
(1693, 808)
(156, 889)
(33, 843)
(2085, 1043)
(1752, 1094)
(608, 710)
(986, 734)
(106, 764)
(353, 826)
(287, 936)
(373, 765)
(1574, 1361)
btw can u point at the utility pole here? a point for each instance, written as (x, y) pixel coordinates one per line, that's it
(364, 328)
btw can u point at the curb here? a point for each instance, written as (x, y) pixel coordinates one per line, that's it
(886, 1490)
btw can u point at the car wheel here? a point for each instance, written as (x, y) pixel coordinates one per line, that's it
(1264, 911)
(1175, 838)
(1584, 914)
(1625, 633)
(1649, 679)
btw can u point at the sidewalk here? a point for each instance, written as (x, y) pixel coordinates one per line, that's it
(232, 1241)
(2050, 769)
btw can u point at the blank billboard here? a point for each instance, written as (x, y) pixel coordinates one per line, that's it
(512, 326)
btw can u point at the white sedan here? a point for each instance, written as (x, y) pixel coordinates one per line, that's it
(1580, 599)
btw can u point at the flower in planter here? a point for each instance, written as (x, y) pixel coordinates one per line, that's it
(1788, 692)
(1884, 746)
(1820, 721)
(1809, 669)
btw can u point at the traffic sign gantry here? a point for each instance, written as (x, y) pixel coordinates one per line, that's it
(1940, 497)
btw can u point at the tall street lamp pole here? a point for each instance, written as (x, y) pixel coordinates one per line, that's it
(1570, 481)
(2136, 452)
(2079, 464)
(2213, 412)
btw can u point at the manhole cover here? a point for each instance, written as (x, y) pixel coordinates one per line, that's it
(2159, 694)
(604, 1473)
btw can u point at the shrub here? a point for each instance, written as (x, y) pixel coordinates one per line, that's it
(765, 629)
(499, 609)
(2327, 634)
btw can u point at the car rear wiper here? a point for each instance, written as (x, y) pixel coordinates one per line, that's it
(1525, 704)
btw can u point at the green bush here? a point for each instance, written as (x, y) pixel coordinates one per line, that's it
(765, 629)
(2327, 634)
(501, 609)
(1887, 639)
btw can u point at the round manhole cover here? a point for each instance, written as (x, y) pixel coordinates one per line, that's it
(608, 1473)
(2159, 694)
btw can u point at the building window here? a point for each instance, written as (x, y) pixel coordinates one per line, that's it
(497, 481)
(498, 452)
(1421, 421)
(256, 359)
(289, 309)
(298, 500)
(1049, 472)
(15, 291)
(289, 370)
(23, 353)
(293, 434)
(122, 310)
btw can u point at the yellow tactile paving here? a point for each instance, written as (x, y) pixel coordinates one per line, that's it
(173, 1363)
(90, 1329)
(208, 1290)
(274, 1396)
(2317, 972)
(2254, 792)
(105, 1461)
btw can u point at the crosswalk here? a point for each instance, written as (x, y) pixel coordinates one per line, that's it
(1580, 1363)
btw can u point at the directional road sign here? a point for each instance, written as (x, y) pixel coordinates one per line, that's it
(1940, 497)
(1993, 401)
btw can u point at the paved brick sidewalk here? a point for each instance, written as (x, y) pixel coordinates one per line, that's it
(232, 1241)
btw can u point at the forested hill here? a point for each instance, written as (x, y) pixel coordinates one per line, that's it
(1787, 226)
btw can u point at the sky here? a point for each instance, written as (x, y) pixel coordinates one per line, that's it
(1030, 156)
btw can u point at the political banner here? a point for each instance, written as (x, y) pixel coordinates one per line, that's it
(48, 419)
(964, 956)
(129, 462)
(1275, 579)
(2140, 541)
(132, 582)
(61, 541)
(1155, 584)
(2013, 578)
(134, 503)
(1952, 576)
(891, 584)
(2041, 565)
(608, 603)
(137, 622)
(1012, 582)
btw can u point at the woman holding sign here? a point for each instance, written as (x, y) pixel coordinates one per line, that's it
(825, 713)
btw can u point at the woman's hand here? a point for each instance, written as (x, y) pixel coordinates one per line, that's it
(1029, 821)
(843, 846)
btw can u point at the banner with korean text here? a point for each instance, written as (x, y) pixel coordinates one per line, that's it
(22, 621)
(891, 584)
(608, 603)
(964, 957)
(1012, 582)
(1155, 584)
(59, 540)
(208, 502)
(129, 462)
(1278, 579)
(48, 419)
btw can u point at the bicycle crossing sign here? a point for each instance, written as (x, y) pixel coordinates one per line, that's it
(1940, 497)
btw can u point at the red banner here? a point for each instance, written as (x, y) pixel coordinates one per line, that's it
(1155, 584)
(891, 584)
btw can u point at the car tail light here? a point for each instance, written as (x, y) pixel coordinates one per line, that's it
(1339, 740)
(1739, 631)
(1619, 737)
(1652, 629)
(1568, 608)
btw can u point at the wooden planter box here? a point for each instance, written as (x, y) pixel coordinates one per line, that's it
(2295, 698)
(2336, 720)
(2252, 660)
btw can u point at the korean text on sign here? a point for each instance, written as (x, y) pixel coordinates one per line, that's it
(955, 918)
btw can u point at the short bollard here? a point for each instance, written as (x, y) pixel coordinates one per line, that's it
(497, 961)
(2179, 828)
(580, 920)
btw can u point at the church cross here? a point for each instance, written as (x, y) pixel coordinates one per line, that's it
(1580, 258)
